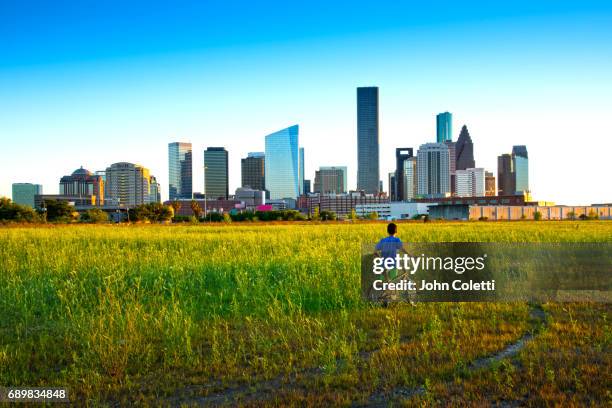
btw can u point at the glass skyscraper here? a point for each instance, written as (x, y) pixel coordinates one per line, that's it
(253, 173)
(301, 180)
(368, 170)
(283, 163)
(505, 175)
(216, 173)
(23, 193)
(444, 127)
(180, 170)
(520, 162)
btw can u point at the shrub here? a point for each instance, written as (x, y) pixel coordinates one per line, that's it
(95, 216)
(537, 216)
(10, 211)
(592, 215)
(328, 215)
(59, 211)
(154, 212)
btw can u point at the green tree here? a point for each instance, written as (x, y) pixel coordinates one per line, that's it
(153, 212)
(328, 215)
(315, 214)
(227, 218)
(537, 216)
(196, 209)
(592, 215)
(95, 215)
(176, 206)
(10, 211)
(352, 215)
(59, 211)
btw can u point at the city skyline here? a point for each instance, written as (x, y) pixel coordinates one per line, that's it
(517, 77)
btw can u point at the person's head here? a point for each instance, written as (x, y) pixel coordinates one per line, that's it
(391, 229)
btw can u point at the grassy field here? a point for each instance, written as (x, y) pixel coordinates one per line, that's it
(259, 314)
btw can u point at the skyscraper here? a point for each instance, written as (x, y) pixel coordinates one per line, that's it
(453, 162)
(331, 179)
(464, 151)
(505, 175)
(253, 171)
(470, 182)
(180, 170)
(444, 127)
(520, 163)
(401, 154)
(282, 163)
(83, 182)
(410, 179)
(433, 170)
(392, 186)
(127, 184)
(23, 193)
(154, 191)
(301, 178)
(490, 189)
(368, 172)
(216, 173)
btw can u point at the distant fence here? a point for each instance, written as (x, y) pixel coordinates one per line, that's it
(501, 212)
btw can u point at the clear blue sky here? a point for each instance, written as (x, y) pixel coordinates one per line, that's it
(91, 83)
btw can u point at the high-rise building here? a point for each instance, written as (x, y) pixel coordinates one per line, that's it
(253, 171)
(505, 175)
(409, 179)
(453, 162)
(464, 151)
(331, 179)
(433, 170)
(520, 164)
(180, 170)
(470, 182)
(401, 154)
(24, 193)
(444, 127)
(392, 186)
(306, 186)
(301, 175)
(83, 182)
(490, 189)
(368, 171)
(154, 191)
(216, 185)
(127, 184)
(282, 163)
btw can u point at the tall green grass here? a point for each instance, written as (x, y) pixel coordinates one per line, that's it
(107, 310)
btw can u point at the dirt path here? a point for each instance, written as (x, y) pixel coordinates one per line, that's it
(264, 390)
(538, 318)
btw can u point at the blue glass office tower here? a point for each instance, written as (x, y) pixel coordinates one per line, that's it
(368, 170)
(180, 170)
(444, 127)
(282, 166)
(520, 162)
(301, 180)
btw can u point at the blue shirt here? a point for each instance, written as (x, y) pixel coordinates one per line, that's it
(389, 246)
